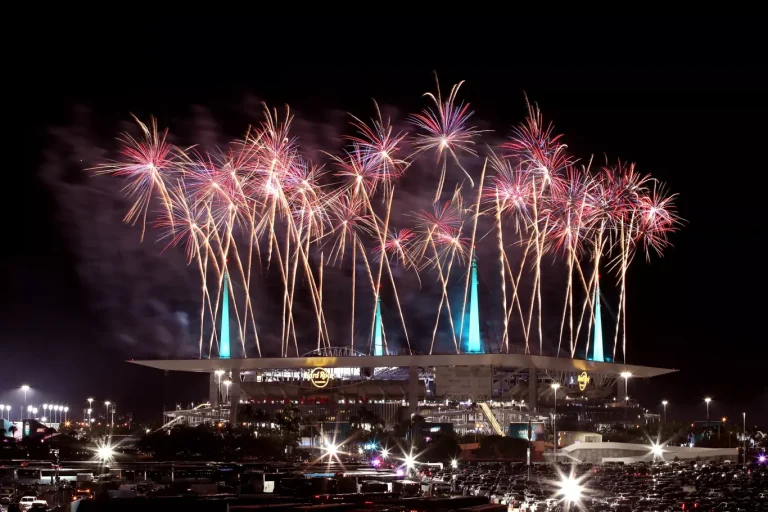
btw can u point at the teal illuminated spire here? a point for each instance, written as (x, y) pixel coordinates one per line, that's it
(378, 341)
(597, 340)
(474, 345)
(224, 333)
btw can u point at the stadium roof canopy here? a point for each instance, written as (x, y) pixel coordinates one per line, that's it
(394, 361)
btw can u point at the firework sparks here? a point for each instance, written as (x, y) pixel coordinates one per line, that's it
(262, 196)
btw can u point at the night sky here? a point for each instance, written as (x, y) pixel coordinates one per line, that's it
(687, 104)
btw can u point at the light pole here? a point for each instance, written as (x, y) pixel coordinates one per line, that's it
(664, 403)
(90, 409)
(227, 383)
(555, 386)
(25, 388)
(2, 410)
(106, 416)
(218, 374)
(90, 420)
(66, 410)
(626, 376)
(706, 401)
(744, 433)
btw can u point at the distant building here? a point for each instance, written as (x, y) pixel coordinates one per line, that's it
(569, 437)
(600, 453)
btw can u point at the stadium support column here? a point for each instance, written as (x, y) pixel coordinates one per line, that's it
(597, 340)
(213, 391)
(234, 397)
(413, 390)
(474, 344)
(224, 331)
(533, 391)
(378, 340)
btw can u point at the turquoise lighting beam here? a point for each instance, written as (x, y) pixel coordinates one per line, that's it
(474, 345)
(378, 341)
(224, 352)
(597, 340)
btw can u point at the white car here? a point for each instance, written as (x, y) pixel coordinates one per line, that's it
(26, 502)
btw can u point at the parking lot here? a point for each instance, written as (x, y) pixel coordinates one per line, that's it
(662, 486)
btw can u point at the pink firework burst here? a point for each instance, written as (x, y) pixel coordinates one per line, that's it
(380, 145)
(147, 163)
(538, 148)
(657, 219)
(361, 172)
(570, 211)
(397, 246)
(447, 129)
(511, 186)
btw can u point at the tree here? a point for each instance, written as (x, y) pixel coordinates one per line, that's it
(444, 447)
(495, 447)
(288, 423)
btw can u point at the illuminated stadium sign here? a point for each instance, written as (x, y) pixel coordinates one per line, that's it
(583, 381)
(319, 377)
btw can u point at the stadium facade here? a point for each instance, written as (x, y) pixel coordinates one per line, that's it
(471, 390)
(337, 384)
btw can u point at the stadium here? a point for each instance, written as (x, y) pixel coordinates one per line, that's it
(472, 391)
(301, 252)
(337, 384)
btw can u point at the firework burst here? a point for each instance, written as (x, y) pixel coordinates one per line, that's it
(260, 204)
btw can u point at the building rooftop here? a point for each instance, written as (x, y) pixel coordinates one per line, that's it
(523, 361)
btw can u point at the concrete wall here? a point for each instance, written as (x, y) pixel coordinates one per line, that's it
(597, 453)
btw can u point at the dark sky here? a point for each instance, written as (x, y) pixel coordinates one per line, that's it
(687, 103)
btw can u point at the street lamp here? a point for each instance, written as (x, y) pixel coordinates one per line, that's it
(106, 417)
(227, 383)
(706, 401)
(744, 434)
(555, 386)
(66, 410)
(626, 376)
(25, 388)
(664, 403)
(570, 490)
(2, 410)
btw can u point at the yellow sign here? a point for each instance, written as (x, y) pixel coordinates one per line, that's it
(320, 377)
(583, 381)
